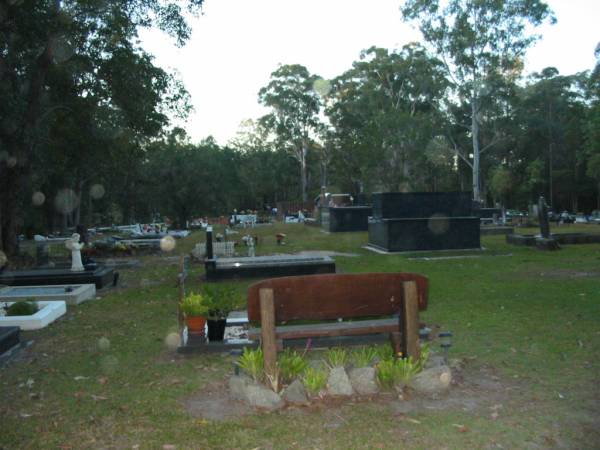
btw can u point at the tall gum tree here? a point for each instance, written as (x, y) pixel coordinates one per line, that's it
(295, 113)
(477, 39)
(39, 36)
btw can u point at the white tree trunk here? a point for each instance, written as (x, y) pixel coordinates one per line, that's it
(475, 134)
(303, 171)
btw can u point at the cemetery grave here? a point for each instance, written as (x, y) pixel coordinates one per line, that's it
(420, 221)
(521, 341)
(71, 294)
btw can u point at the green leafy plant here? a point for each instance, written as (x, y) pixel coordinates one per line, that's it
(194, 305)
(384, 352)
(291, 365)
(425, 352)
(24, 308)
(364, 356)
(391, 372)
(221, 300)
(252, 362)
(337, 357)
(314, 380)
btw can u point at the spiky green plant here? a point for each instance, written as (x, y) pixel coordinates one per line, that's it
(291, 365)
(364, 356)
(314, 380)
(391, 372)
(252, 362)
(337, 357)
(384, 352)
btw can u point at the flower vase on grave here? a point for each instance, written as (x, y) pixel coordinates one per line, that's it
(216, 329)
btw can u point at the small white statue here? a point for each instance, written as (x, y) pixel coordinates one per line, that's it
(251, 251)
(75, 247)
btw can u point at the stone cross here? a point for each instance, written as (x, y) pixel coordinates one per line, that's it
(75, 247)
(543, 218)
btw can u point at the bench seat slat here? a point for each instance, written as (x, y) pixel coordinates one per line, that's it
(332, 329)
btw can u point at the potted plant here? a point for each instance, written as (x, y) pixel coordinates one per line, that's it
(221, 301)
(195, 310)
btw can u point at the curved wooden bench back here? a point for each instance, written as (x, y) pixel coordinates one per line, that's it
(325, 297)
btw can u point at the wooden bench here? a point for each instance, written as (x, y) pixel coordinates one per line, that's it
(362, 298)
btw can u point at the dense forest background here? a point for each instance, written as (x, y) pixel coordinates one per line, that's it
(86, 134)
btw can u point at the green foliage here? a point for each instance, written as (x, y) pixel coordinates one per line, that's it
(391, 372)
(315, 380)
(220, 299)
(194, 305)
(291, 365)
(337, 357)
(252, 362)
(364, 356)
(384, 352)
(24, 308)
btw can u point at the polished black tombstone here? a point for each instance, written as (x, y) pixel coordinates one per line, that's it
(423, 221)
(100, 276)
(267, 266)
(345, 218)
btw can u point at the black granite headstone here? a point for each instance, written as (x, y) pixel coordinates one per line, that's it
(423, 221)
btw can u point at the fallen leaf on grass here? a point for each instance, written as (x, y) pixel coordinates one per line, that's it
(79, 394)
(98, 397)
(102, 380)
(408, 419)
(494, 415)
(461, 428)
(25, 415)
(79, 378)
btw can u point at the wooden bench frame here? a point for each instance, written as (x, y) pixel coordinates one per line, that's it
(274, 302)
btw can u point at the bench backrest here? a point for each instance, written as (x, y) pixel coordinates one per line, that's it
(331, 296)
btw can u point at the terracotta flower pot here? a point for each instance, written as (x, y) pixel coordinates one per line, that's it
(196, 325)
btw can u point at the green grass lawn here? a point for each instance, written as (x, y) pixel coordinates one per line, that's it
(526, 325)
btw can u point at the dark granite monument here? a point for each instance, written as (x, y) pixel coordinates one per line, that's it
(345, 218)
(423, 221)
(100, 276)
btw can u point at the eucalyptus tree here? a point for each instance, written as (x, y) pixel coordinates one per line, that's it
(384, 114)
(592, 127)
(69, 61)
(478, 40)
(294, 119)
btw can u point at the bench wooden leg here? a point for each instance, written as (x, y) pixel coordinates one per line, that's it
(410, 321)
(267, 323)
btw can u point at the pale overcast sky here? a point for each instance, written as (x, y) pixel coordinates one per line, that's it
(236, 44)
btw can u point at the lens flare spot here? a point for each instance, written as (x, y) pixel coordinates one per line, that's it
(97, 191)
(172, 341)
(438, 224)
(322, 87)
(103, 344)
(11, 162)
(3, 259)
(38, 198)
(66, 201)
(167, 243)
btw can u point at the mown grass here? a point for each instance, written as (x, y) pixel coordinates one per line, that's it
(105, 376)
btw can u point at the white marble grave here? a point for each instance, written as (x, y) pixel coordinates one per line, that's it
(72, 294)
(48, 313)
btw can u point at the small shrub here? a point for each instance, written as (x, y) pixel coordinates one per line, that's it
(384, 352)
(291, 365)
(25, 308)
(337, 357)
(252, 362)
(391, 372)
(221, 300)
(425, 352)
(364, 356)
(194, 305)
(314, 380)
